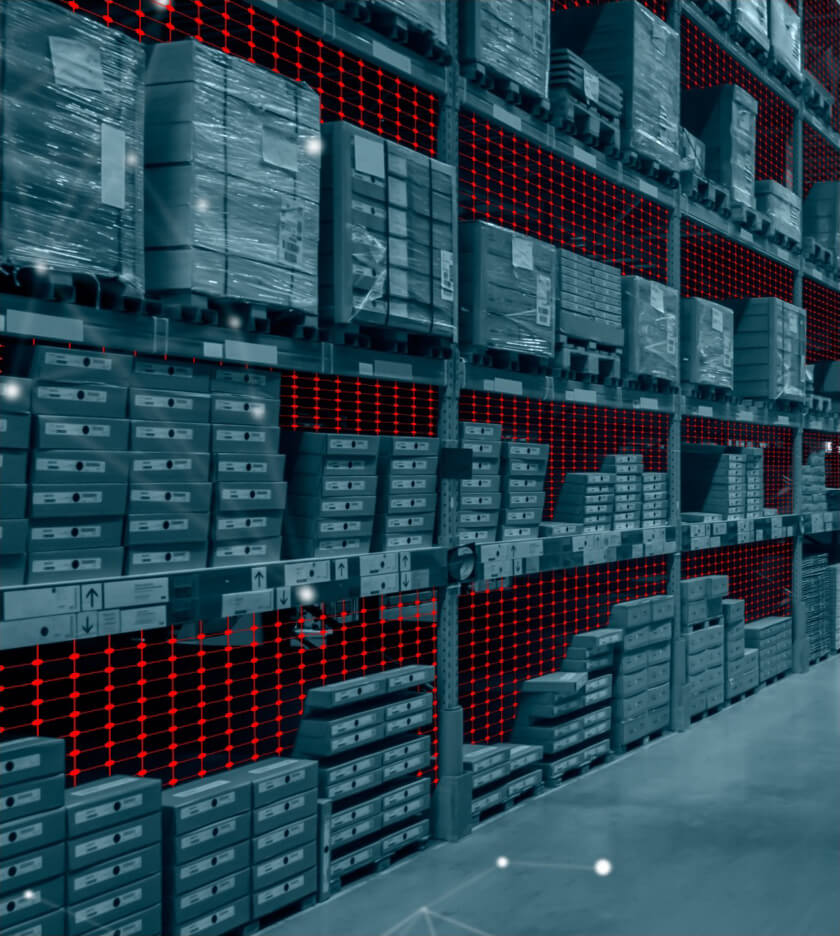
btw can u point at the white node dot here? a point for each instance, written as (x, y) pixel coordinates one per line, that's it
(502, 862)
(313, 146)
(235, 321)
(131, 159)
(202, 205)
(28, 894)
(41, 267)
(306, 594)
(11, 391)
(603, 867)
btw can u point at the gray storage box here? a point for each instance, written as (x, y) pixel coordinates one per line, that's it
(706, 343)
(651, 328)
(769, 349)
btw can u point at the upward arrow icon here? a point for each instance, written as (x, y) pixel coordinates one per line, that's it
(91, 594)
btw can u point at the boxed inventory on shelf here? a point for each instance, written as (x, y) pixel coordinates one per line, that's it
(821, 215)
(706, 343)
(430, 17)
(588, 299)
(785, 30)
(651, 328)
(783, 206)
(750, 19)
(692, 153)
(232, 185)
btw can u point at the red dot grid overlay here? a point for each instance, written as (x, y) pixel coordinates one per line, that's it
(821, 47)
(820, 160)
(350, 88)
(714, 267)
(705, 65)
(828, 442)
(507, 180)
(578, 436)
(775, 441)
(822, 323)
(760, 573)
(659, 7)
(522, 631)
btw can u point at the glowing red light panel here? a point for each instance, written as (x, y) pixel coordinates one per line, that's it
(822, 322)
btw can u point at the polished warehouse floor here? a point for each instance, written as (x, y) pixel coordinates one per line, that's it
(729, 829)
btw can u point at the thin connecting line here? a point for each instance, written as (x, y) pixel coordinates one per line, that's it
(464, 884)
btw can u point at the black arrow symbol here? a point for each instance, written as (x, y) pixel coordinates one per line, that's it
(87, 628)
(341, 568)
(90, 594)
(258, 576)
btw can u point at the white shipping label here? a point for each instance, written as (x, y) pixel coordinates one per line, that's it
(66, 565)
(158, 526)
(72, 393)
(180, 434)
(447, 282)
(164, 402)
(45, 534)
(522, 253)
(162, 464)
(61, 359)
(657, 297)
(113, 166)
(545, 301)
(76, 64)
(280, 147)
(67, 497)
(69, 464)
(591, 85)
(161, 497)
(717, 319)
(256, 410)
(369, 156)
(95, 431)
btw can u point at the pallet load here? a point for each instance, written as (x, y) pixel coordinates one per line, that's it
(815, 596)
(33, 832)
(507, 43)
(364, 733)
(750, 27)
(739, 670)
(655, 498)
(586, 500)
(772, 637)
(480, 496)
(724, 118)
(636, 50)
(769, 349)
(783, 207)
(714, 480)
(651, 328)
(232, 187)
(701, 613)
(785, 28)
(428, 18)
(814, 491)
(388, 242)
(821, 215)
(523, 490)
(627, 499)
(326, 519)
(701, 600)
(207, 832)
(692, 154)
(72, 148)
(114, 857)
(642, 682)
(406, 506)
(507, 291)
(584, 102)
(833, 586)
(501, 775)
(706, 343)
(79, 466)
(15, 429)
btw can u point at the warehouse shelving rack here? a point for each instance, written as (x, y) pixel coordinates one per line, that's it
(323, 46)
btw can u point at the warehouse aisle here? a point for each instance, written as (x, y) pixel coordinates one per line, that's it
(730, 828)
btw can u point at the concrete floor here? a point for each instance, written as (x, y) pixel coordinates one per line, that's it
(729, 829)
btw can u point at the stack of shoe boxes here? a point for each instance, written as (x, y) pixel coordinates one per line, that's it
(706, 343)
(588, 299)
(701, 610)
(388, 250)
(815, 597)
(168, 525)
(651, 329)
(207, 832)
(772, 637)
(480, 498)
(322, 520)
(32, 837)
(523, 489)
(655, 498)
(627, 501)
(821, 215)
(500, 773)
(79, 467)
(110, 886)
(586, 499)
(833, 583)
(814, 492)
(740, 672)
(249, 491)
(714, 480)
(754, 481)
(407, 501)
(15, 428)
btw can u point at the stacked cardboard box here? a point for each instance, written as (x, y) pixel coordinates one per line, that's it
(786, 37)
(429, 17)
(572, 81)
(655, 500)
(706, 343)
(207, 832)
(407, 500)
(507, 290)
(815, 596)
(740, 670)
(15, 429)
(692, 153)
(511, 39)
(232, 187)
(769, 349)
(773, 638)
(754, 481)
(284, 834)
(500, 773)
(523, 489)
(114, 856)
(326, 518)
(782, 205)
(71, 149)
(701, 600)
(588, 299)
(821, 215)
(586, 499)
(651, 328)
(627, 489)
(833, 586)
(704, 648)
(634, 48)
(364, 732)
(750, 16)
(724, 118)
(33, 831)
(480, 496)
(814, 491)
(388, 250)
(714, 480)
(79, 465)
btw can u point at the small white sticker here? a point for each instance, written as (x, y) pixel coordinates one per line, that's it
(591, 85)
(522, 253)
(447, 283)
(113, 166)
(76, 64)
(657, 297)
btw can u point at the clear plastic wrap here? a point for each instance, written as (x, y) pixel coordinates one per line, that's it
(427, 14)
(706, 336)
(692, 153)
(651, 329)
(782, 205)
(786, 35)
(232, 179)
(511, 37)
(72, 144)
(751, 17)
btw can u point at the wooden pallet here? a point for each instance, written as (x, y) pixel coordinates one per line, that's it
(713, 710)
(387, 339)
(772, 679)
(585, 122)
(707, 192)
(748, 43)
(740, 696)
(653, 168)
(396, 27)
(703, 625)
(637, 743)
(83, 289)
(714, 12)
(507, 360)
(709, 393)
(573, 772)
(587, 361)
(278, 916)
(784, 73)
(822, 657)
(339, 882)
(646, 383)
(817, 253)
(499, 808)
(510, 91)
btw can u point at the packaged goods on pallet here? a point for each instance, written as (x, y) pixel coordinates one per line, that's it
(772, 637)
(501, 774)
(820, 626)
(769, 349)
(785, 30)
(783, 206)
(814, 491)
(706, 343)
(523, 490)
(724, 118)
(586, 499)
(750, 22)
(754, 479)
(584, 102)
(692, 153)
(651, 326)
(15, 459)
(33, 834)
(740, 673)
(507, 291)
(430, 17)
(655, 498)
(388, 250)
(509, 38)
(627, 471)
(480, 496)
(72, 145)
(406, 506)
(833, 585)
(827, 378)
(232, 185)
(701, 599)
(634, 48)
(588, 299)
(821, 215)
(714, 480)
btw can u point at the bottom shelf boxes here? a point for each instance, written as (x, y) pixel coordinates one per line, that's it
(501, 774)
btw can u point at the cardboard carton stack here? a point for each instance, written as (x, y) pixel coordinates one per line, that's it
(714, 480)
(588, 299)
(651, 328)
(821, 215)
(833, 586)
(814, 491)
(407, 500)
(501, 773)
(523, 489)
(655, 500)
(627, 499)
(587, 500)
(782, 205)
(15, 431)
(815, 596)
(701, 613)
(754, 481)
(706, 343)
(772, 637)
(480, 497)
(740, 665)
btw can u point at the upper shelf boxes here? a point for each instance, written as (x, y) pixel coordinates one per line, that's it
(232, 180)
(821, 215)
(388, 252)
(785, 37)
(750, 23)
(72, 144)
(706, 340)
(651, 326)
(429, 17)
